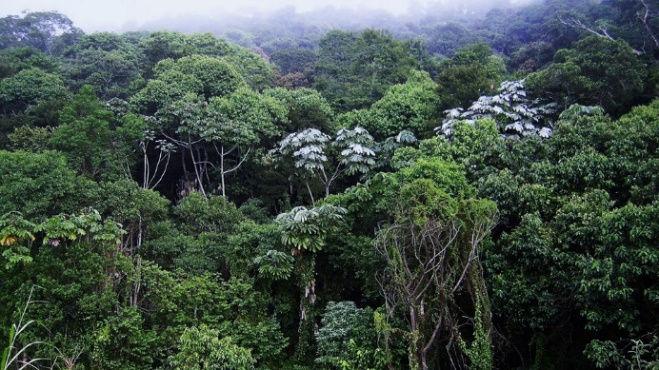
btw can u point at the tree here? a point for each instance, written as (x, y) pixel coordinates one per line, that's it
(354, 70)
(121, 341)
(240, 122)
(40, 30)
(631, 21)
(14, 60)
(257, 72)
(309, 149)
(162, 45)
(33, 139)
(136, 208)
(294, 59)
(445, 39)
(202, 105)
(16, 235)
(29, 88)
(385, 149)
(85, 137)
(75, 265)
(411, 106)
(40, 185)
(108, 62)
(572, 208)
(597, 71)
(143, 207)
(306, 109)
(195, 240)
(231, 126)
(305, 231)
(473, 71)
(431, 251)
(232, 308)
(213, 76)
(202, 75)
(139, 134)
(515, 113)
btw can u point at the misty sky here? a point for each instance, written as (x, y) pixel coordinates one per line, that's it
(116, 15)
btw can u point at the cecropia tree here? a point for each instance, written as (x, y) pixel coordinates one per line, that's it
(517, 115)
(305, 230)
(352, 152)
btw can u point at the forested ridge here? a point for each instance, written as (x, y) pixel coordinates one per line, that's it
(480, 192)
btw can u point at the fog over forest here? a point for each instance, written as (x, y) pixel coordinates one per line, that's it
(209, 16)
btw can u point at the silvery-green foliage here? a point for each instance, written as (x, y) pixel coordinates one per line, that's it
(516, 114)
(351, 152)
(307, 147)
(406, 137)
(356, 150)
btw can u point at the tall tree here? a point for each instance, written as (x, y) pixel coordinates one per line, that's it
(431, 249)
(305, 230)
(40, 30)
(317, 159)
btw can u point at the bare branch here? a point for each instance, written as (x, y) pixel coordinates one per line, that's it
(643, 17)
(601, 31)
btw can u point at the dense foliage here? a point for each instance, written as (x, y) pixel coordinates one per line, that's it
(480, 193)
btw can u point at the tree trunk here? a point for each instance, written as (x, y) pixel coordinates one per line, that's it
(306, 331)
(424, 360)
(198, 175)
(413, 354)
(145, 165)
(224, 193)
(313, 201)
